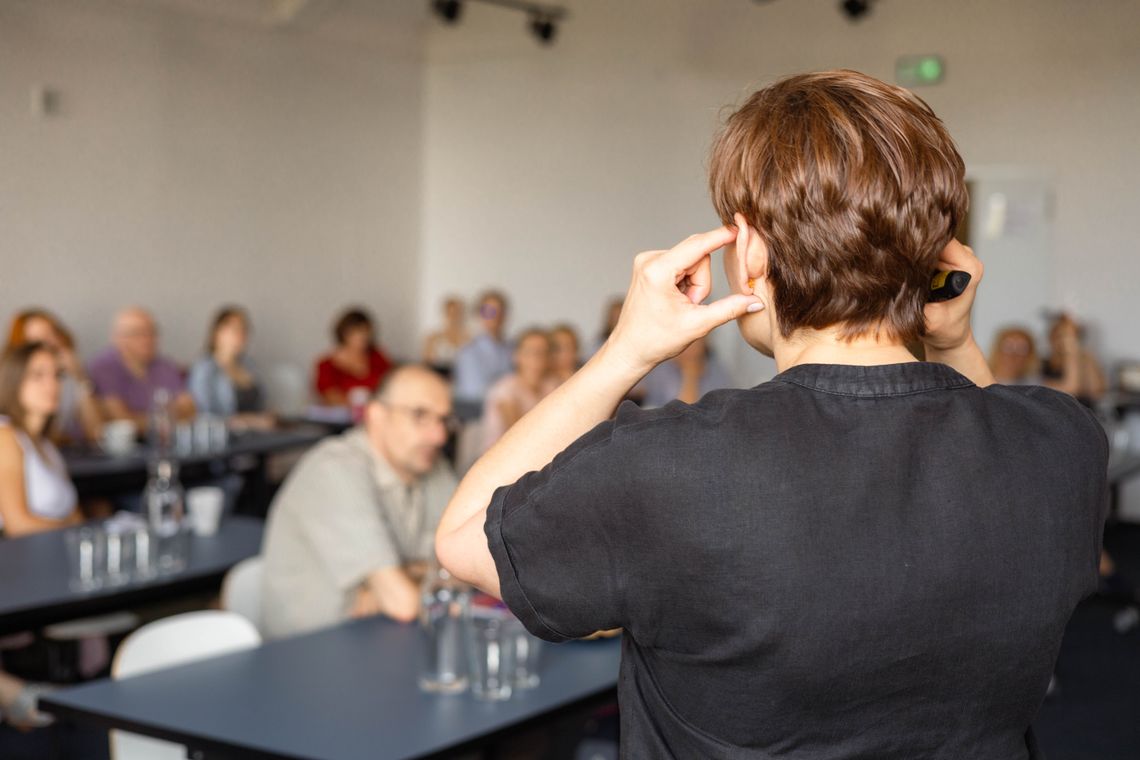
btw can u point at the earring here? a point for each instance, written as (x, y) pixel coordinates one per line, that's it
(751, 283)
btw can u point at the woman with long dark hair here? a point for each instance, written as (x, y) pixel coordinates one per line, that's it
(36, 493)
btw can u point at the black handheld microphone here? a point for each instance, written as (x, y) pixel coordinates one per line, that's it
(947, 285)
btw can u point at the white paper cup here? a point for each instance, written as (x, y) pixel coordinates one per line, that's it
(119, 437)
(205, 505)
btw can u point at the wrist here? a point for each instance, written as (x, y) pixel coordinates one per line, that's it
(618, 365)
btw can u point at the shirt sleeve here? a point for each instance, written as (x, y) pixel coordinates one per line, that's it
(200, 383)
(337, 512)
(570, 541)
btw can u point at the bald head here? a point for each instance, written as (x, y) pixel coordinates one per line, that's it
(407, 422)
(409, 380)
(135, 335)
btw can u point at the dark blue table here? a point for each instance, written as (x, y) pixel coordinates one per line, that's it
(345, 693)
(34, 576)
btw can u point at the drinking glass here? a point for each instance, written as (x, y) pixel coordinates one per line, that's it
(491, 653)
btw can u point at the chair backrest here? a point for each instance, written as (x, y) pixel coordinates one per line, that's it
(468, 446)
(166, 643)
(241, 590)
(287, 388)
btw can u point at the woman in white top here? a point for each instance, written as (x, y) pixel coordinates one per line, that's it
(441, 347)
(36, 493)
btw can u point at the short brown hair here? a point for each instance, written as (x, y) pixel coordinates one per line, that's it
(353, 319)
(855, 186)
(17, 333)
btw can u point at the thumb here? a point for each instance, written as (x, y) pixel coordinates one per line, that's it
(727, 309)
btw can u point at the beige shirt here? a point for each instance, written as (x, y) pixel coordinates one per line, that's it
(341, 514)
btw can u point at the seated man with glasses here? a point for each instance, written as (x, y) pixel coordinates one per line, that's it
(350, 532)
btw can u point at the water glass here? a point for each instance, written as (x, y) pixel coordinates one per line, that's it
(491, 653)
(120, 555)
(528, 650)
(144, 551)
(444, 667)
(86, 550)
(184, 439)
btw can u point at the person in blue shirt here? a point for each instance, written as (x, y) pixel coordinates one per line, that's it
(485, 359)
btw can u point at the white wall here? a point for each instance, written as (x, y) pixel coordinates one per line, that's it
(547, 169)
(199, 160)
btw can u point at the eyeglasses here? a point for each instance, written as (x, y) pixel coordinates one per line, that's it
(423, 418)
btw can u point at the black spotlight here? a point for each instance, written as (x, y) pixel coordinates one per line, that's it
(448, 10)
(543, 28)
(855, 9)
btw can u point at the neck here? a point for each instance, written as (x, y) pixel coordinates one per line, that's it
(34, 424)
(225, 358)
(134, 366)
(407, 478)
(533, 383)
(827, 347)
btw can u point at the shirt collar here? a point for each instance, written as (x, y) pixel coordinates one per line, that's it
(877, 380)
(385, 476)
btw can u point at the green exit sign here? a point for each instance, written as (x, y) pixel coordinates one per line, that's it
(919, 70)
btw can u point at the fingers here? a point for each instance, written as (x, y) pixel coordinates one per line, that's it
(692, 249)
(715, 314)
(700, 281)
(962, 258)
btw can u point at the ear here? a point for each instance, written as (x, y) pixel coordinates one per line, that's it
(374, 415)
(751, 254)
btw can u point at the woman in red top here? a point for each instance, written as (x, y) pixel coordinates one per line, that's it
(356, 362)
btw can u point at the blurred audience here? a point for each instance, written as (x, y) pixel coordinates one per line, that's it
(1070, 366)
(686, 377)
(484, 359)
(223, 382)
(356, 366)
(80, 417)
(36, 493)
(127, 374)
(1013, 358)
(564, 350)
(612, 315)
(351, 531)
(441, 347)
(516, 394)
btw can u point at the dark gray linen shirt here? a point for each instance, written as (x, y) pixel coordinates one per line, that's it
(845, 562)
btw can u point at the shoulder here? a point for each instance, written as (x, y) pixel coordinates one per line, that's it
(204, 367)
(106, 360)
(1045, 409)
(504, 388)
(10, 449)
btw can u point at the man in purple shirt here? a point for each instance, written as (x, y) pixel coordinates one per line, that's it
(127, 373)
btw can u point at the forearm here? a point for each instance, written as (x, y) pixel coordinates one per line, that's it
(587, 398)
(967, 359)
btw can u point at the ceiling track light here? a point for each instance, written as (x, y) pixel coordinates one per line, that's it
(855, 9)
(448, 10)
(542, 20)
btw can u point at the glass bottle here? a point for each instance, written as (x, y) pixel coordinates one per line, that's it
(165, 511)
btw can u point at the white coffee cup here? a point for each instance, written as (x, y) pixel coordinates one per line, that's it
(119, 437)
(205, 504)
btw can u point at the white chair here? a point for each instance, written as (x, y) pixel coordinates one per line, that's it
(166, 643)
(241, 590)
